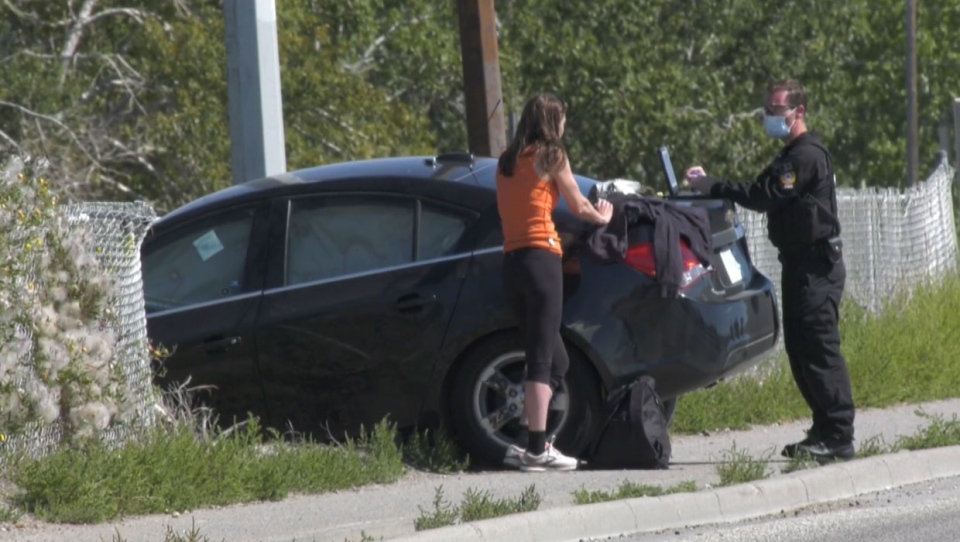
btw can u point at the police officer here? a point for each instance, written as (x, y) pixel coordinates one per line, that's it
(797, 191)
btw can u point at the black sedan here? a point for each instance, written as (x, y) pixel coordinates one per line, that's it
(327, 299)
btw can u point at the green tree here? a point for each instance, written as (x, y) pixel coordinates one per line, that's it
(127, 98)
(691, 74)
(137, 108)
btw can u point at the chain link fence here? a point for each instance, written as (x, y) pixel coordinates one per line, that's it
(116, 231)
(892, 239)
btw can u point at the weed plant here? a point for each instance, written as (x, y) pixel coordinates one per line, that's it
(631, 490)
(475, 506)
(434, 452)
(739, 467)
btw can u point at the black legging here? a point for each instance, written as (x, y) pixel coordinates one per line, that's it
(533, 285)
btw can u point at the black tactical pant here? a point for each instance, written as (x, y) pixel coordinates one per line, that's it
(811, 289)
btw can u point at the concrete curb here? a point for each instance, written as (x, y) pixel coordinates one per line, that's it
(724, 505)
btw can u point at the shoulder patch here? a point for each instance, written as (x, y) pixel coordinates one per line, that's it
(788, 179)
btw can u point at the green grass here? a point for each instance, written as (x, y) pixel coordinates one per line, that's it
(872, 446)
(9, 515)
(193, 535)
(434, 452)
(800, 462)
(443, 514)
(938, 433)
(909, 353)
(738, 467)
(173, 470)
(475, 506)
(631, 490)
(768, 397)
(478, 505)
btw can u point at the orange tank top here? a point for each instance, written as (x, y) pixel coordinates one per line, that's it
(526, 203)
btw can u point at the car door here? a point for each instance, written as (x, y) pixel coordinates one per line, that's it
(202, 284)
(351, 332)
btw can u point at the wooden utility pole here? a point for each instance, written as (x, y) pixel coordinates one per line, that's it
(486, 132)
(913, 131)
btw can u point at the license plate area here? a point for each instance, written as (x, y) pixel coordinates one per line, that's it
(731, 270)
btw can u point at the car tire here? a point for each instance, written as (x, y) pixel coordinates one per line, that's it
(486, 402)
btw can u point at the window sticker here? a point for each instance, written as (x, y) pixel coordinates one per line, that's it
(208, 245)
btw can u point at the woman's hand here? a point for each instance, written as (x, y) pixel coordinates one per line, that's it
(605, 208)
(579, 205)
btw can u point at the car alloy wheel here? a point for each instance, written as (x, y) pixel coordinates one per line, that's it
(497, 400)
(486, 401)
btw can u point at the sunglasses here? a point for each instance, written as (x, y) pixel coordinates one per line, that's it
(777, 109)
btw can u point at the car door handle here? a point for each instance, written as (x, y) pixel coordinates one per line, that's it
(220, 345)
(414, 302)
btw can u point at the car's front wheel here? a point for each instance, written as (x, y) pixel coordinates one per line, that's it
(486, 402)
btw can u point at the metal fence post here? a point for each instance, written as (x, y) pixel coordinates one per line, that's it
(943, 136)
(956, 139)
(253, 89)
(913, 143)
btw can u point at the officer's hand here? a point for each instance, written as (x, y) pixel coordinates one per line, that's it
(696, 171)
(698, 180)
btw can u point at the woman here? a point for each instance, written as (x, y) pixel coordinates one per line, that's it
(531, 175)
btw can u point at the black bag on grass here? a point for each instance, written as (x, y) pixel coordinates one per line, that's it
(635, 433)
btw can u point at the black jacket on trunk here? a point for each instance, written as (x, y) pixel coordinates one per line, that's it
(670, 222)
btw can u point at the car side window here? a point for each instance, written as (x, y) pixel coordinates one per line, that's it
(441, 231)
(332, 236)
(197, 263)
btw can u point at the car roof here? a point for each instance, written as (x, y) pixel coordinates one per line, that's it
(456, 167)
(423, 167)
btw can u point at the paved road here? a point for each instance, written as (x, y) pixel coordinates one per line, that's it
(389, 511)
(927, 512)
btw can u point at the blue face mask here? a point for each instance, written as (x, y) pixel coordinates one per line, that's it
(776, 126)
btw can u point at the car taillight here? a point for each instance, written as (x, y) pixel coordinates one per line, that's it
(641, 257)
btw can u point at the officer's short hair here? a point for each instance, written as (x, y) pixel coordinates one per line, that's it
(796, 95)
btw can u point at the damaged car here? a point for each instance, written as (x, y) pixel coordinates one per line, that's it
(327, 299)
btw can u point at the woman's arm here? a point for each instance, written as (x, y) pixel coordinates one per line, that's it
(579, 205)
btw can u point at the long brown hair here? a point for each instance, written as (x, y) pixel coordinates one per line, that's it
(539, 127)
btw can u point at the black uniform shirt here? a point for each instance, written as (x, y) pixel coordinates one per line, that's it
(797, 191)
(798, 168)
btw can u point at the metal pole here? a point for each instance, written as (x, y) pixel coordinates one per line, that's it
(943, 135)
(253, 90)
(913, 151)
(486, 133)
(956, 140)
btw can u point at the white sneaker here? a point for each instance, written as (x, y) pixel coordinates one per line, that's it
(514, 456)
(550, 459)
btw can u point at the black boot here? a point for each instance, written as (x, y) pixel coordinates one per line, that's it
(825, 451)
(790, 450)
